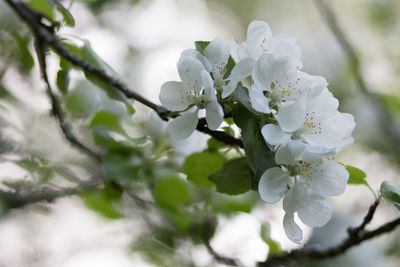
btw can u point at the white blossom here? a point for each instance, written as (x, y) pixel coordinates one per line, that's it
(215, 59)
(259, 41)
(277, 80)
(304, 185)
(195, 91)
(315, 121)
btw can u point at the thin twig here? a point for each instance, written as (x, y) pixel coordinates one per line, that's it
(222, 259)
(220, 136)
(57, 110)
(208, 232)
(19, 199)
(356, 236)
(45, 33)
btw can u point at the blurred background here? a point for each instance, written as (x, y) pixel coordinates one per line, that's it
(142, 40)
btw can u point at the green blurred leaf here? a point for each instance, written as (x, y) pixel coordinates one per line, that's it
(89, 55)
(274, 247)
(80, 101)
(225, 204)
(171, 192)
(107, 120)
(357, 176)
(201, 45)
(390, 193)
(103, 202)
(180, 219)
(392, 102)
(258, 155)
(199, 166)
(62, 80)
(122, 165)
(42, 6)
(242, 95)
(233, 178)
(67, 16)
(24, 55)
(229, 66)
(213, 144)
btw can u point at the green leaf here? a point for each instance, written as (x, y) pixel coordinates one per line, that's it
(357, 176)
(274, 247)
(63, 80)
(225, 204)
(201, 45)
(67, 16)
(199, 166)
(24, 55)
(105, 202)
(390, 193)
(241, 94)
(233, 178)
(213, 144)
(107, 120)
(229, 66)
(258, 154)
(80, 101)
(42, 6)
(171, 192)
(123, 165)
(89, 55)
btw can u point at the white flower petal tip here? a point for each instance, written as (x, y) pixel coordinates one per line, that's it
(258, 101)
(173, 96)
(273, 184)
(183, 126)
(292, 230)
(214, 115)
(329, 178)
(290, 152)
(274, 135)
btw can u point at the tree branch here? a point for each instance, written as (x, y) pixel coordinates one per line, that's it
(21, 198)
(45, 33)
(356, 236)
(220, 136)
(57, 110)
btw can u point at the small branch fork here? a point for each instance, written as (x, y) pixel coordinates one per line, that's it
(355, 236)
(45, 37)
(48, 37)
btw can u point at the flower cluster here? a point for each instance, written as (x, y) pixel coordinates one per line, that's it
(309, 130)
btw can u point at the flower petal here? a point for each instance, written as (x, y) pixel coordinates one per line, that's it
(288, 153)
(291, 116)
(217, 54)
(208, 86)
(194, 54)
(291, 200)
(313, 153)
(273, 184)
(292, 230)
(259, 39)
(329, 178)
(183, 126)
(214, 115)
(316, 210)
(189, 70)
(238, 51)
(239, 72)
(258, 101)
(285, 46)
(173, 96)
(274, 135)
